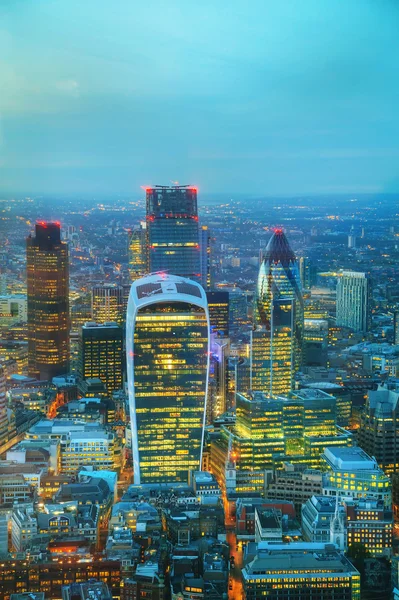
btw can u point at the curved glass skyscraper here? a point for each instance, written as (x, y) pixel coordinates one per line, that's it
(276, 348)
(167, 346)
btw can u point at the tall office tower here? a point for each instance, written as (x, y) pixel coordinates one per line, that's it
(101, 354)
(107, 304)
(396, 327)
(277, 339)
(354, 301)
(172, 230)
(205, 256)
(137, 252)
(218, 306)
(307, 272)
(3, 408)
(239, 322)
(167, 347)
(220, 351)
(378, 434)
(352, 238)
(48, 302)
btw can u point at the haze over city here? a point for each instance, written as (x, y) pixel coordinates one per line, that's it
(259, 98)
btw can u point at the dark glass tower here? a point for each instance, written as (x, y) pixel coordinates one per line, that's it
(101, 354)
(167, 347)
(48, 302)
(218, 306)
(277, 339)
(172, 231)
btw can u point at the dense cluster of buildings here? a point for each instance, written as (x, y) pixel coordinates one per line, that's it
(168, 434)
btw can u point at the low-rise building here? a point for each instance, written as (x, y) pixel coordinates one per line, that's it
(137, 516)
(294, 485)
(268, 526)
(205, 487)
(100, 448)
(93, 491)
(23, 527)
(147, 583)
(351, 474)
(300, 569)
(90, 590)
(370, 523)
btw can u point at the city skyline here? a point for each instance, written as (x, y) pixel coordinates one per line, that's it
(199, 300)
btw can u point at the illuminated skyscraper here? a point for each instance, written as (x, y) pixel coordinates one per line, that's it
(3, 408)
(354, 301)
(48, 302)
(172, 230)
(277, 339)
(107, 304)
(205, 257)
(101, 354)
(219, 375)
(137, 252)
(396, 328)
(167, 347)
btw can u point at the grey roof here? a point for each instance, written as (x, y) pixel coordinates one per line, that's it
(94, 490)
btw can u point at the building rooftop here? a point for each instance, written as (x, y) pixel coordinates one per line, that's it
(278, 249)
(94, 490)
(352, 458)
(291, 559)
(28, 596)
(170, 287)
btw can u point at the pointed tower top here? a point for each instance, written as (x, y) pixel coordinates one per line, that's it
(278, 249)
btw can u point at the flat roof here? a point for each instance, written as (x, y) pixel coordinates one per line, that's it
(350, 458)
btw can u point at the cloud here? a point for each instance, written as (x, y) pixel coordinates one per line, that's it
(69, 87)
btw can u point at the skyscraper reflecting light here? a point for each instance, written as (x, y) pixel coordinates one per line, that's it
(167, 345)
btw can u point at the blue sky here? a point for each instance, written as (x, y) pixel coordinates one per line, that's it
(259, 96)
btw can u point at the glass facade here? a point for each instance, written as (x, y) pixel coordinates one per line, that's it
(354, 301)
(218, 306)
(137, 252)
(101, 354)
(172, 231)
(278, 320)
(107, 304)
(205, 257)
(269, 431)
(168, 360)
(48, 302)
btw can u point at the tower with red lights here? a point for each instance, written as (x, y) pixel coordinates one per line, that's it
(48, 302)
(277, 337)
(172, 230)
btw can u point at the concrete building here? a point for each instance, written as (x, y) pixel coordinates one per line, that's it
(13, 309)
(300, 568)
(294, 485)
(99, 448)
(91, 590)
(370, 523)
(318, 513)
(379, 428)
